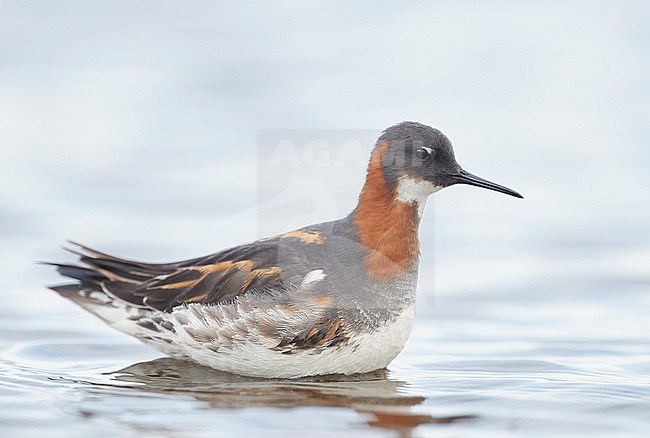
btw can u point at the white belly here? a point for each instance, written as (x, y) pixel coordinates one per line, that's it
(245, 352)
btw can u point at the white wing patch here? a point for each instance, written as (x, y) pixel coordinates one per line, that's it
(313, 277)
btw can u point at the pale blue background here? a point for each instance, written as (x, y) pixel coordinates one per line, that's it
(132, 127)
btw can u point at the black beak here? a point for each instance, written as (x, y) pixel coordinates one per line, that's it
(464, 177)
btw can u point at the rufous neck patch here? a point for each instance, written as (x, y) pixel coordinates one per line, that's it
(387, 227)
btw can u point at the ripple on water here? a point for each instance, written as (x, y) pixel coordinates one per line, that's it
(377, 399)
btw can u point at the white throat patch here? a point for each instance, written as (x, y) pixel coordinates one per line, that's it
(410, 190)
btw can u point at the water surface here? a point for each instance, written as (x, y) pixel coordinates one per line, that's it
(136, 129)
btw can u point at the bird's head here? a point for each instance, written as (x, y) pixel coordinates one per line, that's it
(419, 160)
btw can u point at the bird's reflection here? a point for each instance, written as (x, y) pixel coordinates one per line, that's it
(384, 401)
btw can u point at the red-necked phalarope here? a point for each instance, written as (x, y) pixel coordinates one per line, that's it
(332, 298)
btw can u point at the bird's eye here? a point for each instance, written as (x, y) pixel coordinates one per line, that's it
(423, 153)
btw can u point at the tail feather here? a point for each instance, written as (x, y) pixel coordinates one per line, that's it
(93, 301)
(69, 291)
(107, 287)
(113, 268)
(88, 278)
(116, 278)
(93, 254)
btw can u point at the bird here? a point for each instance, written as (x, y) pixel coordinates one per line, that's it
(336, 297)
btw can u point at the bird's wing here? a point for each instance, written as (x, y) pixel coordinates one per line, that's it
(275, 263)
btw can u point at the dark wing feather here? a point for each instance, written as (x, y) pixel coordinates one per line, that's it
(273, 263)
